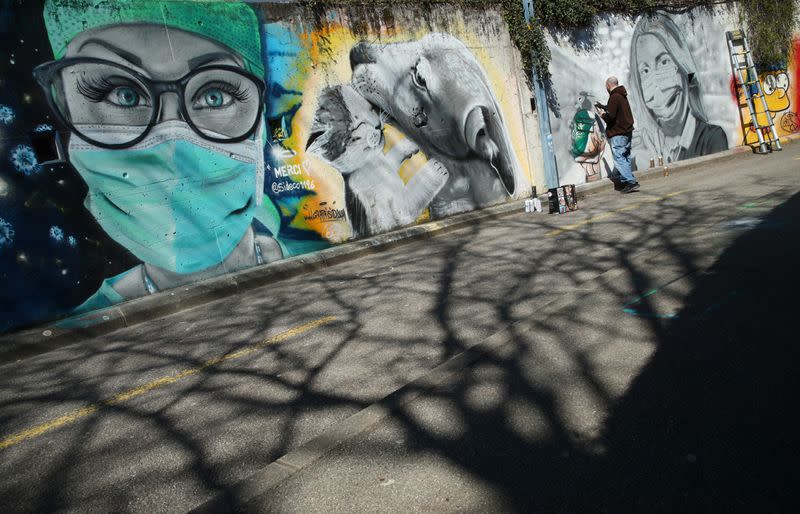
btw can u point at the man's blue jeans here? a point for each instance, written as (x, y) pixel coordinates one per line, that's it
(621, 150)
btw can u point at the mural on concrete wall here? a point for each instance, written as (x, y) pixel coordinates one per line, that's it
(201, 138)
(667, 92)
(435, 92)
(677, 73)
(166, 130)
(781, 88)
(347, 133)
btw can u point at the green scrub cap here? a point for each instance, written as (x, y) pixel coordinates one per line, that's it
(233, 24)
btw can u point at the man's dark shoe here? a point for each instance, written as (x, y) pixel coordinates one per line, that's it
(630, 188)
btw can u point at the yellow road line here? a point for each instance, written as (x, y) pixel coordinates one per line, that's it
(124, 396)
(608, 214)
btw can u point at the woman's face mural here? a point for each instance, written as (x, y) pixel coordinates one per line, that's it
(161, 109)
(663, 86)
(164, 127)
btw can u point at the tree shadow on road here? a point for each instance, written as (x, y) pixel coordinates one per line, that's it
(695, 415)
(707, 425)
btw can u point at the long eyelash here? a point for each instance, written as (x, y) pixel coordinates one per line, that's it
(95, 89)
(235, 90)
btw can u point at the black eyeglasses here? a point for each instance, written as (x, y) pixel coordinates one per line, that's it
(113, 106)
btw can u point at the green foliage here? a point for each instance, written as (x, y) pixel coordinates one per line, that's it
(769, 22)
(528, 39)
(566, 15)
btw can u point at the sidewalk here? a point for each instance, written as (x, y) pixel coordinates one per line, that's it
(646, 363)
(564, 345)
(56, 334)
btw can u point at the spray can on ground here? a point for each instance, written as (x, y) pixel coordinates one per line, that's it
(536, 204)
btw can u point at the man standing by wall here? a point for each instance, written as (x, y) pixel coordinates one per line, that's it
(619, 128)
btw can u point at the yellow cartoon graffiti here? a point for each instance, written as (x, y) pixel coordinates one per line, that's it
(775, 86)
(776, 92)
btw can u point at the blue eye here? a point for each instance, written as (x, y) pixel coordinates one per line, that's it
(214, 98)
(219, 95)
(126, 97)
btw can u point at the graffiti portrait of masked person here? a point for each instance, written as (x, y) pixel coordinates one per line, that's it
(164, 103)
(667, 95)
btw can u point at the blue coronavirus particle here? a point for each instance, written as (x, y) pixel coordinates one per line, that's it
(56, 234)
(6, 233)
(6, 114)
(44, 127)
(24, 160)
(72, 241)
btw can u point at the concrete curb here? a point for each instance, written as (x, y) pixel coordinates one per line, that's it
(263, 481)
(67, 331)
(584, 190)
(56, 334)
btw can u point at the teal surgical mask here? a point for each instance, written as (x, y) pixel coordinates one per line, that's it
(174, 200)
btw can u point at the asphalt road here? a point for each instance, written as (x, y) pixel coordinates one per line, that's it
(648, 365)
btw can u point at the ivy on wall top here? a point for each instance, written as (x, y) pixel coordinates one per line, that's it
(770, 29)
(528, 39)
(769, 23)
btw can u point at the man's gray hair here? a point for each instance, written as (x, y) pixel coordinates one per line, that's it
(612, 81)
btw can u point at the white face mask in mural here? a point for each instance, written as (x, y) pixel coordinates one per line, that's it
(663, 85)
(174, 200)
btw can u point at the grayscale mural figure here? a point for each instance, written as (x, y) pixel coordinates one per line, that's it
(676, 70)
(347, 133)
(167, 132)
(666, 95)
(435, 91)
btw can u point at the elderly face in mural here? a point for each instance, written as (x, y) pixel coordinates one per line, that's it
(435, 91)
(436, 94)
(166, 131)
(667, 94)
(178, 140)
